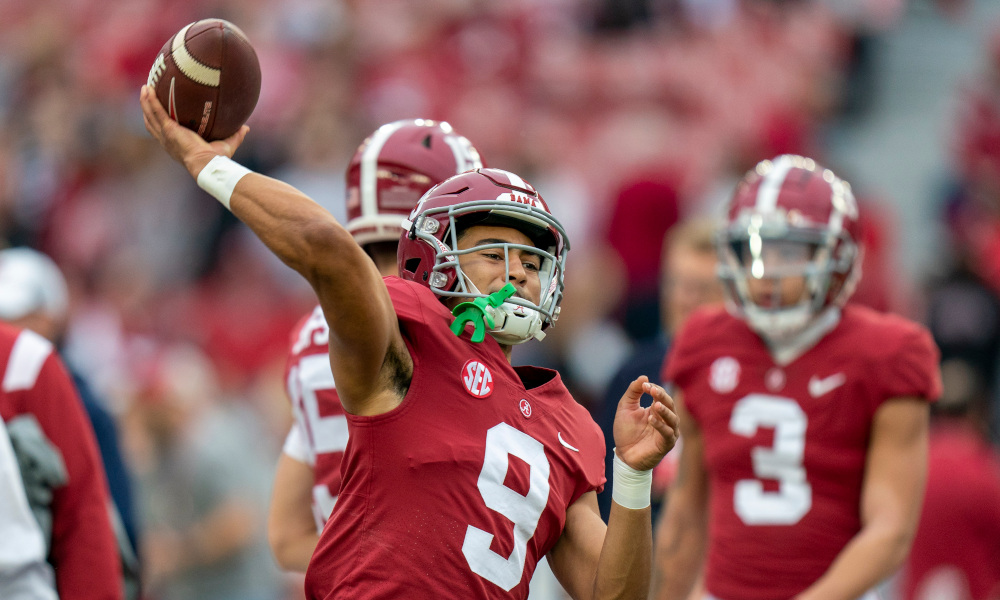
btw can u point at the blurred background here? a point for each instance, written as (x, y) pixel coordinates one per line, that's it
(629, 116)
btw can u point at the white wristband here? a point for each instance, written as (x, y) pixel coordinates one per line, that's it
(219, 178)
(630, 488)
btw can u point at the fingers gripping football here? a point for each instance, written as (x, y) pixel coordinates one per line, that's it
(182, 144)
(643, 436)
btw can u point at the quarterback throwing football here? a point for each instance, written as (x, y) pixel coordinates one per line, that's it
(461, 471)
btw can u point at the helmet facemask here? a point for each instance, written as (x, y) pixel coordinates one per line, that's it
(517, 319)
(765, 254)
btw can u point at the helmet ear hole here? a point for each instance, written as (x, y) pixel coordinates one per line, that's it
(411, 265)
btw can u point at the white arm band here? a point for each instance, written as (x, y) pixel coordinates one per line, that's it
(630, 488)
(219, 178)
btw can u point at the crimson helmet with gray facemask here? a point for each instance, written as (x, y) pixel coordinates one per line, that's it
(802, 213)
(393, 167)
(429, 255)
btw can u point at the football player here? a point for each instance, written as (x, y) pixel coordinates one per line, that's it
(56, 535)
(34, 296)
(389, 172)
(805, 420)
(461, 471)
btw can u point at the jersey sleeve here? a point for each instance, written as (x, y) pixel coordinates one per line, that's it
(84, 551)
(679, 365)
(913, 371)
(407, 299)
(595, 474)
(295, 445)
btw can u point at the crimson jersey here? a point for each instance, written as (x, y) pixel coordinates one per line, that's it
(459, 491)
(955, 551)
(82, 549)
(319, 433)
(785, 446)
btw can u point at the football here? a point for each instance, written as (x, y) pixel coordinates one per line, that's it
(207, 77)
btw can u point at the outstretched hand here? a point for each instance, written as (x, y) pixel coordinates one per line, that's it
(643, 436)
(182, 144)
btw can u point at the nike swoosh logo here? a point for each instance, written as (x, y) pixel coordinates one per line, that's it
(818, 387)
(564, 443)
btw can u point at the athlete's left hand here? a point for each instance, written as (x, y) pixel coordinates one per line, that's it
(643, 436)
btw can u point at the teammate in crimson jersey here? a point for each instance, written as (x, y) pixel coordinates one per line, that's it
(56, 539)
(954, 554)
(446, 487)
(389, 172)
(805, 421)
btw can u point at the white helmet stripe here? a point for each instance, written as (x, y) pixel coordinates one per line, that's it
(836, 223)
(369, 166)
(770, 185)
(515, 180)
(844, 204)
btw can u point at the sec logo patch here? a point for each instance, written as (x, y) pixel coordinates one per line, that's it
(477, 379)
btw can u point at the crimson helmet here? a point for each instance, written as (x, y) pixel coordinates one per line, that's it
(428, 255)
(393, 167)
(803, 213)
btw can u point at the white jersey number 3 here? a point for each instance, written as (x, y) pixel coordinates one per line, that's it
(781, 462)
(524, 511)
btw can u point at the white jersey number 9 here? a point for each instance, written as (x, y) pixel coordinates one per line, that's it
(501, 441)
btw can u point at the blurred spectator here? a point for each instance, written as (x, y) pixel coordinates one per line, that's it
(643, 210)
(33, 295)
(973, 212)
(954, 554)
(243, 343)
(882, 287)
(56, 538)
(202, 465)
(687, 281)
(963, 314)
(862, 24)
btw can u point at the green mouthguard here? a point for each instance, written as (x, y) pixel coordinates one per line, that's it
(480, 312)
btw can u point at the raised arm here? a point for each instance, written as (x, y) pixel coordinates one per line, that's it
(305, 236)
(891, 497)
(679, 547)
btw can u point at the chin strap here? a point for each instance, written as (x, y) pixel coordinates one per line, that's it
(480, 312)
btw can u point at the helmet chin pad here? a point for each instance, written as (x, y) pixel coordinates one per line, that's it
(516, 324)
(779, 325)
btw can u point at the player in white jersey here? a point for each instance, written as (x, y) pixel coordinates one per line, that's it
(390, 171)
